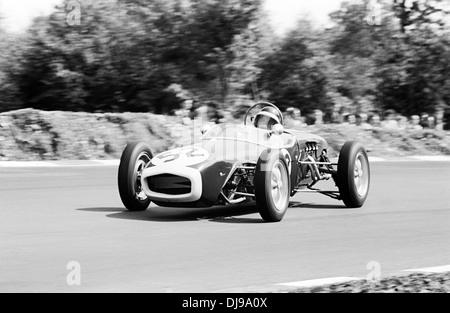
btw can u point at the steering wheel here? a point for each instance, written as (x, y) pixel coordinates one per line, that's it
(262, 105)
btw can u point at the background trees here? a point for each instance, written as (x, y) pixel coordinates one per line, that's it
(9, 48)
(128, 55)
(413, 66)
(292, 77)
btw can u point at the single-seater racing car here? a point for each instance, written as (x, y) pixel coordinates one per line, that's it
(258, 161)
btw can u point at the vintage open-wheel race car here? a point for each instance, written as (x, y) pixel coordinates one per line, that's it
(258, 161)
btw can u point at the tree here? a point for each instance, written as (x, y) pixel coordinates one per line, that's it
(292, 77)
(414, 65)
(248, 51)
(352, 34)
(9, 47)
(202, 41)
(417, 13)
(124, 55)
(97, 65)
(401, 60)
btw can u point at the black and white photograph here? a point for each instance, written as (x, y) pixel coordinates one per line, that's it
(228, 155)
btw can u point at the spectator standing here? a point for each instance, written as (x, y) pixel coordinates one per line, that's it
(431, 122)
(440, 118)
(402, 122)
(424, 120)
(213, 113)
(318, 117)
(414, 123)
(374, 120)
(294, 118)
(362, 121)
(351, 119)
(390, 122)
(186, 111)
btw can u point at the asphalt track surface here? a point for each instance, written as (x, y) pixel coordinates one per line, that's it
(52, 216)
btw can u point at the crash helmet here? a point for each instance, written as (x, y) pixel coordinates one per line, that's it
(267, 117)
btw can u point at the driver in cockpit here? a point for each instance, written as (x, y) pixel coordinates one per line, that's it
(267, 118)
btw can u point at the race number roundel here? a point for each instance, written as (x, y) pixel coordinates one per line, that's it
(182, 157)
(287, 155)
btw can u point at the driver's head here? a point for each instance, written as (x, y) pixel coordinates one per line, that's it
(267, 117)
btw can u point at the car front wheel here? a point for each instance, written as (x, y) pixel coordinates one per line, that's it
(272, 189)
(134, 160)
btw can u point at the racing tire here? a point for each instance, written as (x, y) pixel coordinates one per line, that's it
(134, 159)
(353, 176)
(272, 186)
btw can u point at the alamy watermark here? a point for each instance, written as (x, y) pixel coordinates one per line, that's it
(73, 277)
(375, 272)
(76, 8)
(73, 10)
(374, 15)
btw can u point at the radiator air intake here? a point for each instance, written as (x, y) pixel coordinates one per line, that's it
(169, 184)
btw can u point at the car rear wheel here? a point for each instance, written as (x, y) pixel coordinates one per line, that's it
(272, 190)
(134, 160)
(353, 177)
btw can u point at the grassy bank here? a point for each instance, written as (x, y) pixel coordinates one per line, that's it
(413, 283)
(39, 135)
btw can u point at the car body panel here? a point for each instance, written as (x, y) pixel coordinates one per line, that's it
(211, 161)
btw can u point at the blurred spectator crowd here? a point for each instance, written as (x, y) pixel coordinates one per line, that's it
(387, 120)
(212, 112)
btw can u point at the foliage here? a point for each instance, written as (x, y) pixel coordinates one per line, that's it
(8, 57)
(123, 56)
(414, 64)
(127, 55)
(401, 62)
(291, 76)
